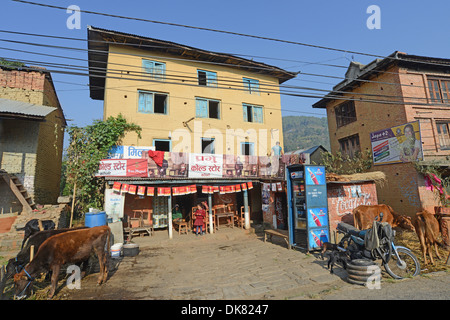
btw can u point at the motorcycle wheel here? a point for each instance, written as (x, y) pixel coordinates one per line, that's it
(409, 268)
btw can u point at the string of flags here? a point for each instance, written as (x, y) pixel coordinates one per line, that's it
(180, 191)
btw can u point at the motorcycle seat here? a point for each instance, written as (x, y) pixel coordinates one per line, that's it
(347, 228)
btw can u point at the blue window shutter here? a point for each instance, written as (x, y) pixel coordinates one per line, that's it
(254, 86)
(148, 103)
(145, 102)
(244, 107)
(211, 79)
(147, 65)
(251, 148)
(257, 114)
(159, 70)
(201, 108)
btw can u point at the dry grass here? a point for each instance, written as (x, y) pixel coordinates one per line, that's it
(409, 239)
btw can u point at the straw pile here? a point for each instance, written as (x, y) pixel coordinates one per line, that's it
(377, 176)
(409, 239)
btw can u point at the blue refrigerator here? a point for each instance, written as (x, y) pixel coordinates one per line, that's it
(307, 206)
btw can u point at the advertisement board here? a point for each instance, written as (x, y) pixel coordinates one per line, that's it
(397, 144)
(204, 165)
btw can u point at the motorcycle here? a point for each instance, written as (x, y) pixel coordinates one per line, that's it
(374, 244)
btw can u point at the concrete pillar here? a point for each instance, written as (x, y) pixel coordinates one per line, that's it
(211, 227)
(246, 213)
(169, 204)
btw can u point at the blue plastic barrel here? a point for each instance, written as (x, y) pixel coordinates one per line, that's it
(95, 219)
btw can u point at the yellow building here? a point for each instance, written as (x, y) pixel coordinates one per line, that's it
(184, 98)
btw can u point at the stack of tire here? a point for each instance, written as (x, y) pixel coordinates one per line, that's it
(360, 270)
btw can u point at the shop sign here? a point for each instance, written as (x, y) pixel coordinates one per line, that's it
(204, 165)
(137, 168)
(115, 168)
(397, 144)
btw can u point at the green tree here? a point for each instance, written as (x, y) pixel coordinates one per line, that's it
(87, 146)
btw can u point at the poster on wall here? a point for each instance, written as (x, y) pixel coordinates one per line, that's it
(317, 217)
(397, 144)
(315, 176)
(114, 204)
(204, 165)
(317, 237)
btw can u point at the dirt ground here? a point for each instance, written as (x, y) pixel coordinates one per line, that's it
(169, 258)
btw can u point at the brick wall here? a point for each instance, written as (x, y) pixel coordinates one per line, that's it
(405, 190)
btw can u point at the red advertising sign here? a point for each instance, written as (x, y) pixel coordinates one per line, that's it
(137, 168)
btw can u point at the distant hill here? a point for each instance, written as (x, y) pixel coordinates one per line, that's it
(301, 132)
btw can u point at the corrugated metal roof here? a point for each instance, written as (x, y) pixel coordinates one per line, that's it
(24, 108)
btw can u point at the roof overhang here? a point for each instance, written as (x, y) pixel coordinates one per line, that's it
(100, 39)
(402, 60)
(13, 109)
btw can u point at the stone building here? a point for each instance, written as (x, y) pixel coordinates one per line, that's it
(31, 135)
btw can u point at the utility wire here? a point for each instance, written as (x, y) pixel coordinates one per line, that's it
(203, 29)
(219, 31)
(207, 62)
(194, 79)
(304, 95)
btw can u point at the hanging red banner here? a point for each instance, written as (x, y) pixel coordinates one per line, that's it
(250, 185)
(125, 187)
(244, 186)
(167, 192)
(150, 191)
(193, 188)
(175, 191)
(237, 188)
(216, 189)
(205, 189)
(116, 186)
(222, 189)
(141, 191)
(132, 189)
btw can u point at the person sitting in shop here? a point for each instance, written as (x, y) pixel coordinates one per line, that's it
(200, 215)
(176, 213)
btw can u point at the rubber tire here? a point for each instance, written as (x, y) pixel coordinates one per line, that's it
(408, 253)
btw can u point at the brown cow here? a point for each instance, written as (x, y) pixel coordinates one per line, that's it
(427, 229)
(363, 217)
(68, 247)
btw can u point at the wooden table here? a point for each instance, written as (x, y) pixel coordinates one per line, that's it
(181, 226)
(225, 215)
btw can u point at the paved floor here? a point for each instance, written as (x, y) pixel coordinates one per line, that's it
(230, 264)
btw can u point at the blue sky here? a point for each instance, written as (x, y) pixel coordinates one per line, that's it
(414, 27)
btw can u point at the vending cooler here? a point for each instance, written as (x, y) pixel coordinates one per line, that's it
(307, 206)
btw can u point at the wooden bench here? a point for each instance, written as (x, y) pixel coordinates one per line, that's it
(269, 233)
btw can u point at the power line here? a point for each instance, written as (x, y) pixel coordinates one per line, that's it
(304, 95)
(220, 31)
(208, 62)
(194, 79)
(203, 29)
